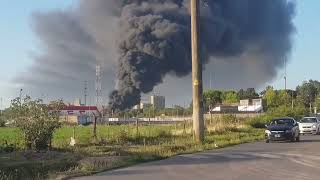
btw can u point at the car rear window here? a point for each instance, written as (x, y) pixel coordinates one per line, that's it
(282, 122)
(308, 120)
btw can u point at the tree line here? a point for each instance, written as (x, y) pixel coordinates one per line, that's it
(304, 97)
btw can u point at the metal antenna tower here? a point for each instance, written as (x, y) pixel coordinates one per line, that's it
(99, 87)
(85, 92)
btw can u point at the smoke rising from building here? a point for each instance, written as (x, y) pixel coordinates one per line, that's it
(155, 39)
(148, 40)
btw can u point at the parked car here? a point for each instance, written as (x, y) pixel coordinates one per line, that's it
(309, 125)
(282, 129)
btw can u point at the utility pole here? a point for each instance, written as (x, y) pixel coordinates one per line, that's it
(292, 99)
(20, 96)
(198, 122)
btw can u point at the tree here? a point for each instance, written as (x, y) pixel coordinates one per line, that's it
(317, 102)
(230, 97)
(270, 97)
(211, 98)
(283, 98)
(307, 92)
(36, 121)
(250, 93)
(2, 120)
(315, 84)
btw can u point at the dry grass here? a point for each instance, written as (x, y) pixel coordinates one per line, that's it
(119, 146)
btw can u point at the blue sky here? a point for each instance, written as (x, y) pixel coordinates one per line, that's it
(17, 42)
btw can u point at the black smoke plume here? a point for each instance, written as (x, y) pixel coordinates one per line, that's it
(155, 39)
(243, 42)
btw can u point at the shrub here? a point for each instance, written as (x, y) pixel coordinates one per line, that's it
(259, 122)
(229, 119)
(35, 121)
(122, 137)
(2, 122)
(282, 111)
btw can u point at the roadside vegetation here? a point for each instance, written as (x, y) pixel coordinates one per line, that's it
(35, 145)
(115, 146)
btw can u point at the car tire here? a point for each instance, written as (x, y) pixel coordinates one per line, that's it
(267, 141)
(298, 139)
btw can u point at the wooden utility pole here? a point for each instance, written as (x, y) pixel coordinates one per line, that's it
(198, 122)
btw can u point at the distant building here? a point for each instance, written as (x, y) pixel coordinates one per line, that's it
(77, 102)
(145, 105)
(136, 107)
(158, 102)
(245, 106)
(78, 114)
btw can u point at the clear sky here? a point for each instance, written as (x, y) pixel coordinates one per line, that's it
(17, 42)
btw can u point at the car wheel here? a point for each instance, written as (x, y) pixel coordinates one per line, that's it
(298, 139)
(267, 141)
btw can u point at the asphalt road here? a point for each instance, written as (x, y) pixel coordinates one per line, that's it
(274, 161)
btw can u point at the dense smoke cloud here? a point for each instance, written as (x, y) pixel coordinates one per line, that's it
(148, 41)
(155, 39)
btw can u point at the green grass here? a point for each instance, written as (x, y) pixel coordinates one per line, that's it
(117, 146)
(11, 136)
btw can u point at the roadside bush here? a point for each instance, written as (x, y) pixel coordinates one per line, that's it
(122, 137)
(229, 119)
(2, 122)
(260, 122)
(35, 121)
(7, 148)
(282, 111)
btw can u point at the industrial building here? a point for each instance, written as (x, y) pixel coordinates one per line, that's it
(158, 102)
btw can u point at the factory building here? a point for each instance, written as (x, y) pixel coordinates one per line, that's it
(158, 102)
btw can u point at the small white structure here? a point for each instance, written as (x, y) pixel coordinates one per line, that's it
(244, 106)
(255, 106)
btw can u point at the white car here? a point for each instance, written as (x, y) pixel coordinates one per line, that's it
(309, 125)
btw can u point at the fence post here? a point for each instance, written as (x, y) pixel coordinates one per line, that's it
(137, 127)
